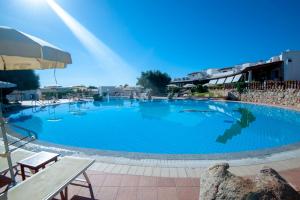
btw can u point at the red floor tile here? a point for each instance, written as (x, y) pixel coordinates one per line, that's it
(165, 182)
(112, 180)
(292, 177)
(167, 193)
(130, 181)
(146, 181)
(147, 193)
(107, 193)
(196, 182)
(85, 192)
(73, 190)
(184, 182)
(127, 193)
(97, 180)
(188, 193)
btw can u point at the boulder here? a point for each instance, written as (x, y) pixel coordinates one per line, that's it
(218, 183)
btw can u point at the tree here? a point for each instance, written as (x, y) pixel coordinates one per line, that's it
(154, 80)
(200, 88)
(240, 87)
(92, 87)
(24, 79)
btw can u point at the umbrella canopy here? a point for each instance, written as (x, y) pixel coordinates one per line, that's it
(172, 86)
(19, 51)
(7, 85)
(189, 85)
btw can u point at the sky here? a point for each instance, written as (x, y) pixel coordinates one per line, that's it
(113, 41)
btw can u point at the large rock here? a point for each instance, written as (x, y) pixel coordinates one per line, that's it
(218, 183)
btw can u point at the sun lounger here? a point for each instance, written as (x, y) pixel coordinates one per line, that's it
(51, 181)
(16, 156)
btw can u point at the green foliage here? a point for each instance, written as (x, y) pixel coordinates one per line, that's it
(24, 79)
(200, 89)
(246, 119)
(154, 80)
(174, 90)
(240, 87)
(97, 97)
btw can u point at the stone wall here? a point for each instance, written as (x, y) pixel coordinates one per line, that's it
(287, 97)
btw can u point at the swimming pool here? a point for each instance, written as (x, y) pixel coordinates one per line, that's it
(164, 127)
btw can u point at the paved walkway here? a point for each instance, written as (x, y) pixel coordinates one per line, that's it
(107, 186)
(283, 161)
(190, 172)
(131, 182)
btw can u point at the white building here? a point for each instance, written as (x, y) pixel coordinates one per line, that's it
(291, 64)
(111, 90)
(24, 95)
(119, 90)
(283, 67)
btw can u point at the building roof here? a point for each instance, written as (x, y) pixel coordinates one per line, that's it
(262, 65)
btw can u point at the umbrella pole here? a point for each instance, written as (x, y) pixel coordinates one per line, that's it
(7, 152)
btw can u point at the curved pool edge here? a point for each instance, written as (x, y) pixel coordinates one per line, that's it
(281, 162)
(291, 151)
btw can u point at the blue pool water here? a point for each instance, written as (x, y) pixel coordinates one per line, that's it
(161, 126)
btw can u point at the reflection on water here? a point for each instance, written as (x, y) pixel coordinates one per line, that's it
(52, 114)
(246, 119)
(195, 111)
(97, 103)
(19, 118)
(78, 108)
(149, 111)
(33, 123)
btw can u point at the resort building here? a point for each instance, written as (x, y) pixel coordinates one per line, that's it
(111, 90)
(24, 95)
(120, 90)
(283, 67)
(55, 89)
(79, 88)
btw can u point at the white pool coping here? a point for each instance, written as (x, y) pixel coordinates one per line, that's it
(177, 168)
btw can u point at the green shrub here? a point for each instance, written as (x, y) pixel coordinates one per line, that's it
(97, 97)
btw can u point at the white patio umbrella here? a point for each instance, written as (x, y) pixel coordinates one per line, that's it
(172, 86)
(7, 85)
(189, 85)
(21, 51)
(4, 85)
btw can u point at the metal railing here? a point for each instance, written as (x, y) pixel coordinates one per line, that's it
(267, 85)
(29, 132)
(21, 141)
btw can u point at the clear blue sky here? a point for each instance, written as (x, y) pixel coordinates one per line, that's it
(176, 37)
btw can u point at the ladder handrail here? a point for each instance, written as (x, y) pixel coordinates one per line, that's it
(29, 132)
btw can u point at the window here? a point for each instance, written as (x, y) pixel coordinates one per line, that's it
(289, 60)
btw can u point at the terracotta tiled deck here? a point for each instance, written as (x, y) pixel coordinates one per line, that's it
(108, 186)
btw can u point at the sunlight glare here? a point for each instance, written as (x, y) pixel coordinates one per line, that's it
(114, 67)
(35, 2)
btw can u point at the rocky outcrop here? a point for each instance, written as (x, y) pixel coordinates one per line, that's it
(288, 97)
(283, 97)
(218, 183)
